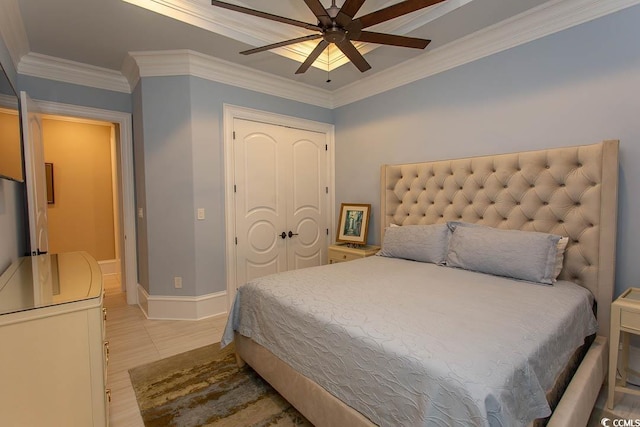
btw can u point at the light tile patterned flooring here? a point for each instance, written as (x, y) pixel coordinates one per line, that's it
(134, 340)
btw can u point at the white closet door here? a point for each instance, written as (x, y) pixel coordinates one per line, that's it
(280, 181)
(307, 200)
(34, 175)
(260, 200)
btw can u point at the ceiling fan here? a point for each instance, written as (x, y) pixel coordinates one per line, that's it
(337, 25)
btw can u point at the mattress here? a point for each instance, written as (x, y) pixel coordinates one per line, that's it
(408, 343)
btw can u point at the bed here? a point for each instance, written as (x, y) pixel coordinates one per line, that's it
(373, 342)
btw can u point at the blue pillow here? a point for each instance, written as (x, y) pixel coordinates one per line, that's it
(424, 243)
(524, 255)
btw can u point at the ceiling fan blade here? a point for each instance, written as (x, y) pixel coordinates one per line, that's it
(265, 15)
(348, 11)
(319, 11)
(395, 11)
(391, 40)
(354, 56)
(280, 44)
(312, 56)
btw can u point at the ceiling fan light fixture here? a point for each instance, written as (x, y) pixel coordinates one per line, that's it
(338, 26)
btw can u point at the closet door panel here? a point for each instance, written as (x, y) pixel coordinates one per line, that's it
(307, 216)
(260, 200)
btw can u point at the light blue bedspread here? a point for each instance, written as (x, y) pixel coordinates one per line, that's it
(415, 344)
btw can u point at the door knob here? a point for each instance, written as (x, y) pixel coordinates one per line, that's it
(283, 235)
(291, 234)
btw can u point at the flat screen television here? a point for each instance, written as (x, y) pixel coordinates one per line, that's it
(10, 142)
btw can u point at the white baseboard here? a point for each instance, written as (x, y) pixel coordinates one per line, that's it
(109, 266)
(158, 307)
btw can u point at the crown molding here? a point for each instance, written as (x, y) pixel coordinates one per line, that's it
(538, 22)
(63, 70)
(546, 19)
(187, 62)
(12, 30)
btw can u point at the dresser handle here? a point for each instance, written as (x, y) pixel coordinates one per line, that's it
(104, 314)
(108, 393)
(106, 352)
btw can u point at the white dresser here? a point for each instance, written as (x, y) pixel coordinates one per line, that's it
(53, 353)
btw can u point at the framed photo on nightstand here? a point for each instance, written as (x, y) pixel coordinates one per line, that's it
(354, 223)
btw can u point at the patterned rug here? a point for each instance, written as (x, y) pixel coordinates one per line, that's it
(205, 387)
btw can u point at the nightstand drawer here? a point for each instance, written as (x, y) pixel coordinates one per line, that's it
(338, 256)
(630, 320)
(343, 253)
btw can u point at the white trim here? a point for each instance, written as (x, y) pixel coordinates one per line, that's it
(232, 112)
(123, 120)
(63, 70)
(538, 22)
(188, 62)
(158, 307)
(109, 267)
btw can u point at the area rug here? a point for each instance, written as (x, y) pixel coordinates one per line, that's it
(205, 387)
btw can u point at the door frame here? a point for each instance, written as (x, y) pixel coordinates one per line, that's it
(126, 179)
(232, 112)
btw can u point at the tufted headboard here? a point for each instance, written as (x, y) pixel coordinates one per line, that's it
(567, 191)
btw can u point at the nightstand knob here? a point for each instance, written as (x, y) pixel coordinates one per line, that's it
(283, 235)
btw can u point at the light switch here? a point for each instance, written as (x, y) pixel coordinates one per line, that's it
(200, 213)
(177, 282)
(140, 213)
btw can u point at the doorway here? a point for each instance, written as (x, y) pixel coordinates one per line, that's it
(83, 191)
(123, 164)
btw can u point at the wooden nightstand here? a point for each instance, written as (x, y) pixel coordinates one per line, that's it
(625, 320)
(340, 252)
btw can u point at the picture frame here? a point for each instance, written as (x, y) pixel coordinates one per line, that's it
(48, 169)
(353, 224)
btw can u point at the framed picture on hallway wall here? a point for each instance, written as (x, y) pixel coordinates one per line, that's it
(354, 223)
(48, 170)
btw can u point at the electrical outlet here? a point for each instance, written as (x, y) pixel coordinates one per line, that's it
(177, 282)
(200, 213)
(140, 213)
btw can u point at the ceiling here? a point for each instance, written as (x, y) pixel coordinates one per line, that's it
(101, 33)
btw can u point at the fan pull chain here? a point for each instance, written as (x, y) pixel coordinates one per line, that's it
(328, 66)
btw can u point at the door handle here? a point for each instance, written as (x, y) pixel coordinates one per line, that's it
(283, 235)
(291, 234)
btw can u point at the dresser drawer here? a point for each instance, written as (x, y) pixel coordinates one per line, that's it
(630, 320)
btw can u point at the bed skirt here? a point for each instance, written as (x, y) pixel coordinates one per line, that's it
(323, 409)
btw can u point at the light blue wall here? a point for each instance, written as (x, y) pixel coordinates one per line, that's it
(182, 139)
(579, 86)
(68, 93)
